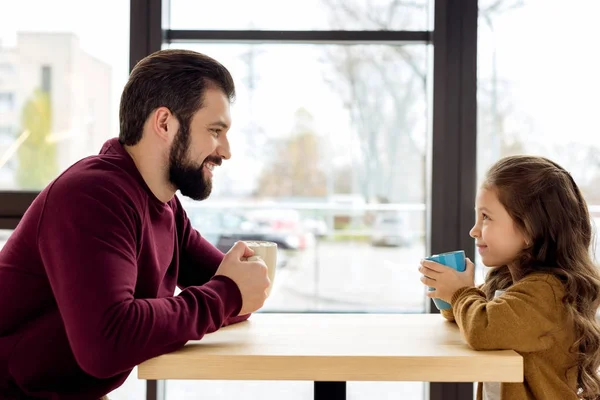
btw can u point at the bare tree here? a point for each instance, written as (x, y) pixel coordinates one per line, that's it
(494, 96)
(383, 88)
(297, 168)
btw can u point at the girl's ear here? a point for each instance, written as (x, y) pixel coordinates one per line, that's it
(527, 241)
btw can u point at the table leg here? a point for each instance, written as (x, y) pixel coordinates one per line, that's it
(155, 390)
(330, 391)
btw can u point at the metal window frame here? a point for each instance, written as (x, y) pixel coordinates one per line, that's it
(13, 205)
(316, 37)
(454, 144)
(454, 134)
(145, 30)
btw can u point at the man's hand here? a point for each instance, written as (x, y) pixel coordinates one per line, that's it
(445, 280)
(250, 276)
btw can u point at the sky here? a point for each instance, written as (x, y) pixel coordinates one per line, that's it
(546, 50)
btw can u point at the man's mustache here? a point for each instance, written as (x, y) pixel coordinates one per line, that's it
(214, 160)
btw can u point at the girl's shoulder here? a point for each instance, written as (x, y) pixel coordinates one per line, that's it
(542, 277)
(540, 282)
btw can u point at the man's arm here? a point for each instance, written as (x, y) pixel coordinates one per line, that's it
(521, 319)
(199, 259)
(87, 238)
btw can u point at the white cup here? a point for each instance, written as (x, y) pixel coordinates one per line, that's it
(266, 251)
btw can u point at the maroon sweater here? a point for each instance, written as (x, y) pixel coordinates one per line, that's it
(87, 282)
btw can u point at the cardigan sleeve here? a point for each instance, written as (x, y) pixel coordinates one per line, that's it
(521, 319)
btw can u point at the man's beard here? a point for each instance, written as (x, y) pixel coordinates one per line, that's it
(184, 174)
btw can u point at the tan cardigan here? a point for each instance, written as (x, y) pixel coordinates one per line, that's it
(528, 317)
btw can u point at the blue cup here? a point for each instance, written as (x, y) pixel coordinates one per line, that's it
(453, 259)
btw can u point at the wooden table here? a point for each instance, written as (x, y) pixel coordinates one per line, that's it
(331, 349)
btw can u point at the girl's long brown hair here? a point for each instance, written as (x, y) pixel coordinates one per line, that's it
(547, 206)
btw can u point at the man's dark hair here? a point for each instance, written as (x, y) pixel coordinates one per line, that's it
(176, 79)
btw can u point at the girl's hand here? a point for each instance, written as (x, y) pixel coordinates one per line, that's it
(445, 280)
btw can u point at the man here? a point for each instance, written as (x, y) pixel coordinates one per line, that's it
(87, 279)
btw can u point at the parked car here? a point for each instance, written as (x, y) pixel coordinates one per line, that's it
(223, 229)
(316, 226)
(390, 229)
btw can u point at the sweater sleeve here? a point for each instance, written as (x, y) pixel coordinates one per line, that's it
(87, 239)
(449, 313)
(199, 259)
(521, 319)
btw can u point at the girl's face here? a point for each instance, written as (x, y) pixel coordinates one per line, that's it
(497, 238)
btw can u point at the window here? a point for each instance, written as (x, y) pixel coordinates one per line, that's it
(57, 66)
(6, 131)
(543, 102)
(300, 15)
(7, 101)
(6, 69)
(4, 235)
(343, 131)
(46, 79)
(54, 65)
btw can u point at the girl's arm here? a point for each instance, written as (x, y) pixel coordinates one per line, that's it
(449, 313)
(521, 319)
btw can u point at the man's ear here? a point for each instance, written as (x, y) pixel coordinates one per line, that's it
(164, 124)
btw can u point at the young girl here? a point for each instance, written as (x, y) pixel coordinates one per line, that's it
(541, 296)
